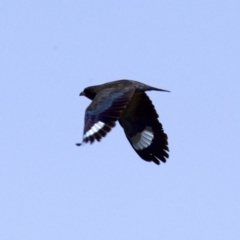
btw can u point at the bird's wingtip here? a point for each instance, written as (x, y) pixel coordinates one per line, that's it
(163, 90)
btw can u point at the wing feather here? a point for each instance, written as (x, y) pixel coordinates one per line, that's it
(103, 111)
(143, 130)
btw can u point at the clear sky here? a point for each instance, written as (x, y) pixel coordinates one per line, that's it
(51, 189)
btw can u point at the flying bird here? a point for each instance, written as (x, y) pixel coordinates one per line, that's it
(127, 102)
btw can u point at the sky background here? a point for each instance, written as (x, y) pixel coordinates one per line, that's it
(51, 189)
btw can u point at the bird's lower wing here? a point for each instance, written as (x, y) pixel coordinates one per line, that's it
(143, 130)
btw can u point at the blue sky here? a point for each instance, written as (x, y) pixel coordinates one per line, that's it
(51, 189)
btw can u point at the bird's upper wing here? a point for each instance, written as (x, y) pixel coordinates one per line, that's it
(104, 110)
(143, 130)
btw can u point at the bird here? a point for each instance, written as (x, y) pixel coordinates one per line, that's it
(125, 101)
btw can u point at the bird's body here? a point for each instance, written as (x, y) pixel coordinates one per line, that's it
(127, 102)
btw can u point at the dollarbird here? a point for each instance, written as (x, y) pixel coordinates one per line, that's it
(125, 101)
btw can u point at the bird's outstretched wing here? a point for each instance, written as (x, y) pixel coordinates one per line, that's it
(143, 130)
(104, 110)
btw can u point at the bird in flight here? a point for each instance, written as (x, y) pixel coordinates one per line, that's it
(126, 101)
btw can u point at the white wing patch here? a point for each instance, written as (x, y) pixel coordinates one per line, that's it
(142, 140)
(94, 129)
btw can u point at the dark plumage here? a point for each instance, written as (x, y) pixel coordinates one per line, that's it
(127, 102)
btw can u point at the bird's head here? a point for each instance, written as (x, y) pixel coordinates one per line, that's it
(89, 92)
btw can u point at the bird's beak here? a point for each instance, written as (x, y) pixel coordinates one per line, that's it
(82, 94)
